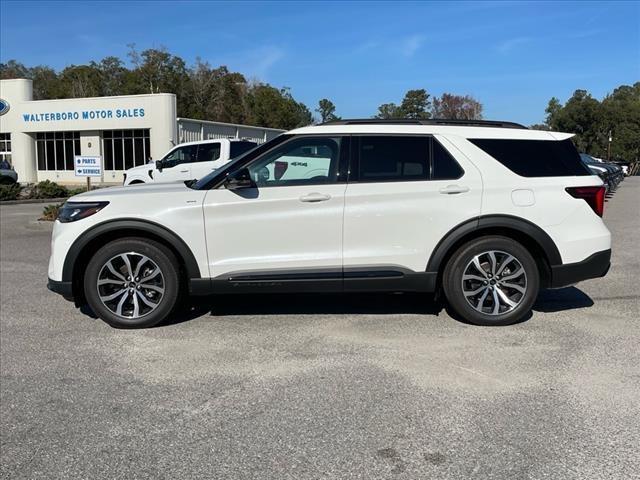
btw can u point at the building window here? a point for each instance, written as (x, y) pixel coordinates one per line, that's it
(5, 148)
(124, 149)
(55, 150)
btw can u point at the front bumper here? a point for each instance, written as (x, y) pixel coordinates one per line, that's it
(63, 288)
(595, 266)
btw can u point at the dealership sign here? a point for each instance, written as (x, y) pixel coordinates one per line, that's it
(82, 114)
(4, 106)
(88, 166)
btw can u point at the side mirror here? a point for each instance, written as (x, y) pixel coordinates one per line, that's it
(159, 165)
(239, 179)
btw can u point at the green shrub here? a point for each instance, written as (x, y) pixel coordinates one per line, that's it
(48, 189)
(9, 192)
(50, 212)
(76, 191)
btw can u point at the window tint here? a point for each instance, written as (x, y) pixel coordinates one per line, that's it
(390, 158)
(306, 161)
(186, 154)
(535, 158)
(444, 165)
(208, 152)
(238, 148)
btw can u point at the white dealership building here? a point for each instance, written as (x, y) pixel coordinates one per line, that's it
(40, 138)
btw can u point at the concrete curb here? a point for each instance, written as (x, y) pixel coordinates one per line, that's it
(34, 200)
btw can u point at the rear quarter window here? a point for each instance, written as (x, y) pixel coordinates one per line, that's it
(535, 158)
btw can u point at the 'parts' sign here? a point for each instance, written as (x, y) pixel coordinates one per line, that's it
(88, 166)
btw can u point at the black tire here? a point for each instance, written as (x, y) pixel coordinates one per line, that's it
(459, 263)
(6, 180)
(135, 248)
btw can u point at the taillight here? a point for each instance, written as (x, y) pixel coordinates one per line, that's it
(594, 196)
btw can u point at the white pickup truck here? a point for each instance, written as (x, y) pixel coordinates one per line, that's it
(189, 161)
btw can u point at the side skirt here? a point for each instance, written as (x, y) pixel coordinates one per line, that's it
(358, 279)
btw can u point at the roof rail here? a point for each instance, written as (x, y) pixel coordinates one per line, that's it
(430, 121)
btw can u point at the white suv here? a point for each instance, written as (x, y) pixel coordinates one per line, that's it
(486, 212)
(188, 161)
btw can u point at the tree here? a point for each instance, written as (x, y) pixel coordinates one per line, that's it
(539, 126)
(456, 107)
(592, 121)
(13, 69)
(415, 104)
(78, 81)
(113, 75)
(202, 91)
(388, 110)
(621, 117)
(275, 108)
(326, 109)
(580, 115)
(552, 110)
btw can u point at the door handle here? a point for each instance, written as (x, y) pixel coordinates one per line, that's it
(453, 189)
(184, 171)
(315, 197)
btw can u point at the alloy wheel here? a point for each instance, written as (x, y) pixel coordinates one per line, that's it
(130, 285)
(494, 282)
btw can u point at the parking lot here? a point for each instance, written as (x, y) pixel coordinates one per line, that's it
(366, 386)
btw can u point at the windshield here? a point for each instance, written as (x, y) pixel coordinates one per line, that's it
(214, 177)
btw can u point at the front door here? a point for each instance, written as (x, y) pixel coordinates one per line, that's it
(176, 166)
(289, 226)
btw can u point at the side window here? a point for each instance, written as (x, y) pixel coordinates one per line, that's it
(535, 158)
(180, 155)
(208, 152)
(445, 166)
(238, 148)
(392, 158)
(305, 161)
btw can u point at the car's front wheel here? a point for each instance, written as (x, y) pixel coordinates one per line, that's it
(491, 281)
(132, 283)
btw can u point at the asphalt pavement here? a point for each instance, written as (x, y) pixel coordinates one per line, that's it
(330, 386)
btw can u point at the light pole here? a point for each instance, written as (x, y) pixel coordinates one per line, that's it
(609, 147)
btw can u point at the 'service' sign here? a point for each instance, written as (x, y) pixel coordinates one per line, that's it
(88, 166)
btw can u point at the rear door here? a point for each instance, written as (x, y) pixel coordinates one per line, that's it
(404, 194)
(207, 159)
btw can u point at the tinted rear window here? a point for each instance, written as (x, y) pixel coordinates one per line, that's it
(535, 158)
(238, 148)
(444, 165)
(384, 159)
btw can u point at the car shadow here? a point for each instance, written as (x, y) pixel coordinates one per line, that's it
(548, 301)
(568, 298)
(307, 304)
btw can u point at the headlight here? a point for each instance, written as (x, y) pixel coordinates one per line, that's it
(72, 211)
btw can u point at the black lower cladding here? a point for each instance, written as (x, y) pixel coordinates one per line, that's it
(62, 288)
(595, 266)
(325, 280)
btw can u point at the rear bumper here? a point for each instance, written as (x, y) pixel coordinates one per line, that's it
(62, 288)
(595, 266)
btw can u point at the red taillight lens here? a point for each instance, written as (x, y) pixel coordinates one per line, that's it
(594, 196)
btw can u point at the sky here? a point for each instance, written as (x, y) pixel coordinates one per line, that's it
(512, 56)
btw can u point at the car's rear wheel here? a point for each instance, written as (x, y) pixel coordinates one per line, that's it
(132, 283)
(491, 281)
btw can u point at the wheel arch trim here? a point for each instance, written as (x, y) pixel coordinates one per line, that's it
(131, 225)
(487, 222)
